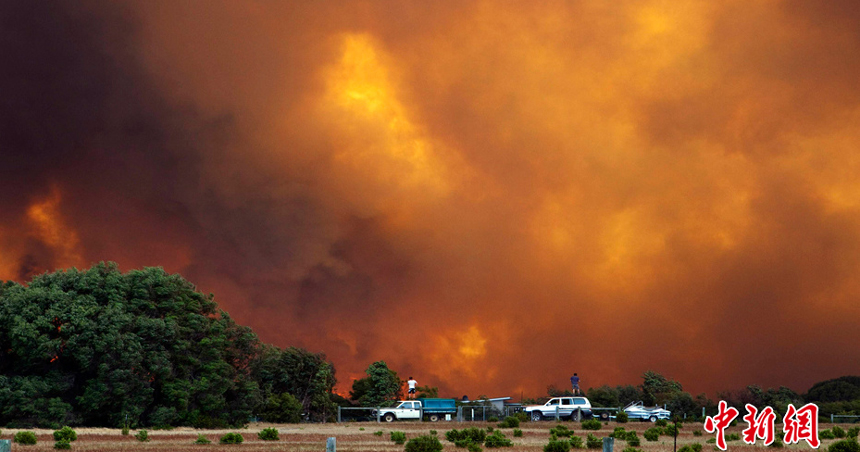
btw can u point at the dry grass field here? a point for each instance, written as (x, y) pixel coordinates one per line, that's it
(359, 436)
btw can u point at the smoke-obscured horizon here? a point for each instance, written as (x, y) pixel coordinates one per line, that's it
(488, 196)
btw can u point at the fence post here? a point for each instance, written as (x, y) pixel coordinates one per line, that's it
(608, 444)
(421, 413)
(338, 414)
(331, 445)
(378, 410)
(831, 418)
(5, 445)
(556, 413)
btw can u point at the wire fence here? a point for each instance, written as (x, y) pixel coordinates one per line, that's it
(844, 418)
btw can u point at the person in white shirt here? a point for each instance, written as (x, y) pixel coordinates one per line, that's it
(412, 383)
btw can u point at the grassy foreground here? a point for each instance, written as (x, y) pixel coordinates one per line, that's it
(359, 436)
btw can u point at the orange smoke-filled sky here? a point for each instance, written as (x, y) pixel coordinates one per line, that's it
(489, 196)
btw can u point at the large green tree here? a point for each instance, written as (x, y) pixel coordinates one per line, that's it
(657, 389)
(98, 346)
(306, 376)
(380, 388)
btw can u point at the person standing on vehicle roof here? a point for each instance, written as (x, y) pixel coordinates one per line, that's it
(412, 383)
(574, 381)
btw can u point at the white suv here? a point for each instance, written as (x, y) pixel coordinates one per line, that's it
(574, 408)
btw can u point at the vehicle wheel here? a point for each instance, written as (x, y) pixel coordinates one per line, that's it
(389, 417)
(604, 416)
(573, 416)
(653, 418)
(434, 417)
(536, 415)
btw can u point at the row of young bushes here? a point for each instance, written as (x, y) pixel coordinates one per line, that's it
(66, 435)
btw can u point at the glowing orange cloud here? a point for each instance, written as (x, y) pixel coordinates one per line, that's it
(519, 185)
(49, 227)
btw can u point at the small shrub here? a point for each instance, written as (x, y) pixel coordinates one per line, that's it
(497, 439)
(733, 437)
(27, 438)
(777, 443)
(473, 447)
(424, 443)
(591, 424)
(471, 434)
(433, 432)
(490, 429)
(710, 441)
(838, 431)
(672, 430)
(518, 433)
(268, 434)
(661, 423)
(635, 442)
(361, 429)
(62, 444)
(232, 438)
(493, 419)
(522, 416)
(379, 433)
(619, 433)
(695, 447)
(576, 443)
(509, 422)
(621, 417)
(201, 439)
(632, 449)
(652, 434)
(826, 434)
(631, 435)
(593, 442)
(560, 430)
(557, 446)
(65, 434)
(398, 437)
(142, 436)
(852, 432)
(697, 433)
(846, 445)
(124, 430)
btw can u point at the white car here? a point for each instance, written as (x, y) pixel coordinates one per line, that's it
(637, 410)
(574, 408)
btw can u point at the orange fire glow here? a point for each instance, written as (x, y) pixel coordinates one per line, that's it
(48, 225)
(487, 196)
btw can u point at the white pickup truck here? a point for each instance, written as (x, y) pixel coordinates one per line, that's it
(433, 410)
(574, 408)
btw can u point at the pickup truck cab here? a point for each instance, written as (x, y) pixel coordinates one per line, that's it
(573, 408)
(432, 409)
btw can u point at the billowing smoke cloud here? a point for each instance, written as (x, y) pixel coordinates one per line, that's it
(487, 196)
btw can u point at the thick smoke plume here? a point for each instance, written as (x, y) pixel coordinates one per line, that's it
(488, 196)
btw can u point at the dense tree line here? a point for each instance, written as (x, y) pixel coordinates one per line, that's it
(837, 396)
(103, 348)
(99, 347)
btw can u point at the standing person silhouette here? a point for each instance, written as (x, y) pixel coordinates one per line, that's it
(412, 383)
(574, 381)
